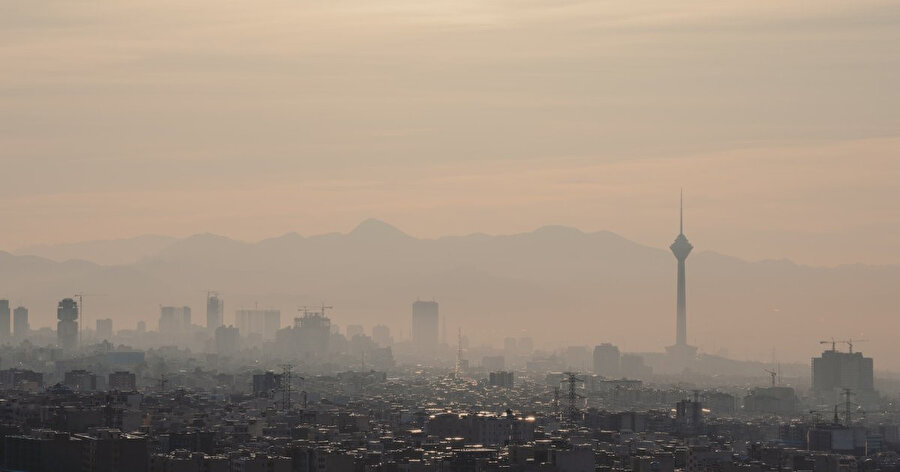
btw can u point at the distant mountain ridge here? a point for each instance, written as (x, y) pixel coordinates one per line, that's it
(104, 252)
(556, 284)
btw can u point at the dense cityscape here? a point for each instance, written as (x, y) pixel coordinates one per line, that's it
(259, 394)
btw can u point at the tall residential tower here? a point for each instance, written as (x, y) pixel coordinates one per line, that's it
(425, 326)
(67, 327)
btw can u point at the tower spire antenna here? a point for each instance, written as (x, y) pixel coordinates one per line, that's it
(681, 213)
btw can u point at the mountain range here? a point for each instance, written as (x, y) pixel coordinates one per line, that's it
(556, 284)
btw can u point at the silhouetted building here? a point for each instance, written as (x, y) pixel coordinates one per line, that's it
(381, 334)
(771, 400)
(42, 451)
(20, 322)
(4, 320)
(689, 415)
(309, 337)
(105, 329)
(634, 367)
(271, 324)
(606, 360)
(354, 330)
(264, 323)
(425, 324)
(835, 370)
(67, 326)
(504, 379)
(215, 311)
(110, 450)
(266, 383)
(681, 248)
(21, 379)
(227, 340)
(173, 320)
(80, 381)
(577, 358)
(122, 381)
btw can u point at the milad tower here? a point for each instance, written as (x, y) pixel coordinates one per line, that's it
(681, 248)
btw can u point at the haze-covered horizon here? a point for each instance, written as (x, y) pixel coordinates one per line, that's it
(131, 249)
(154, 117)
(598, 286)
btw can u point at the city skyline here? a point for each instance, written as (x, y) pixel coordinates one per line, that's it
(437, 236)
(708, 333)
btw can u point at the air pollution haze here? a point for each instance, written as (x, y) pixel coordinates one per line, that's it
(127, 120)
(467, 235)
(557, 284)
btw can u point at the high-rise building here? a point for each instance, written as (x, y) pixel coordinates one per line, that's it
(271, 324)
(80, 380)
(67, 326)
(309, 337)
(381, 335)
(606, 361)
(215, 310)
(122, 381)
(185, 318)
(260, 322)
(577, 358)
(104, 329)
(20, 322)
(4, 320)
(634, 367)
(834, 371)
(265, 384)
(174, 320)
(681, 248)
(354, 330)
(425, 325)
(227, 340)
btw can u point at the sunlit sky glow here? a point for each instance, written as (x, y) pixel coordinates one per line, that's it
(251, 119)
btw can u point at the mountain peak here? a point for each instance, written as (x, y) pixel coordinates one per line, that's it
(372, 228)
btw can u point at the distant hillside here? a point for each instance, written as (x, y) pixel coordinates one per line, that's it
(556, 284)
(110, 252)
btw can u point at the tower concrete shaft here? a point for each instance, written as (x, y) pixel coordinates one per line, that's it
(681, 248)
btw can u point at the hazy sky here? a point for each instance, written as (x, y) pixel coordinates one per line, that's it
(251, 119)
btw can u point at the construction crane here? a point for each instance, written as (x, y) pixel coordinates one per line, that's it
(832, 342)
(80, 296)
(850, 342)
(307, 309)
(773, 374)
